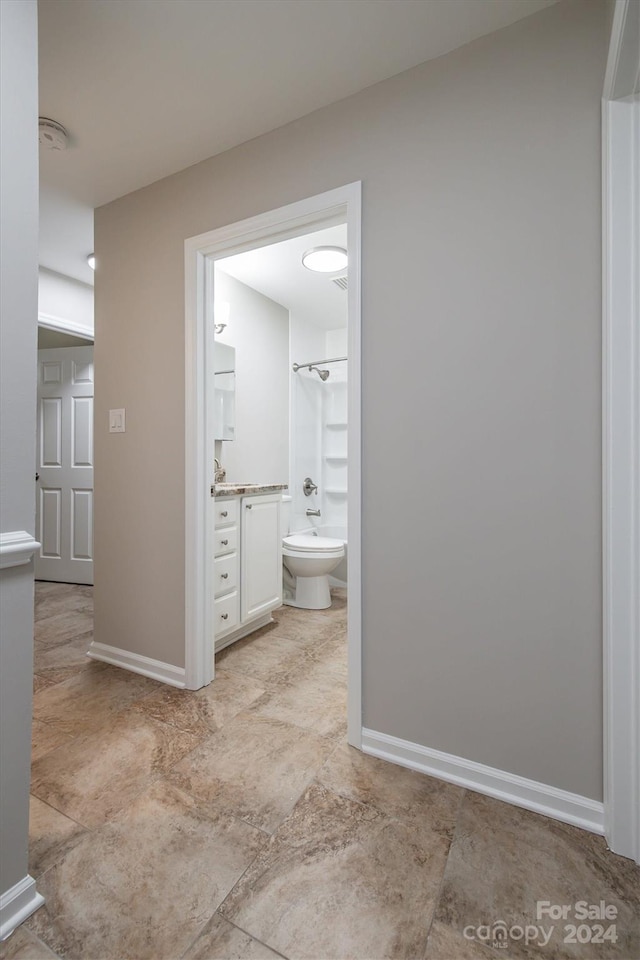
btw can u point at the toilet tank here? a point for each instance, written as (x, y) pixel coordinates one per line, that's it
(285, 515)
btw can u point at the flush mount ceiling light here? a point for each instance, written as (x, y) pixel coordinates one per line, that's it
(52, 135)
(91, 260)
(325, 259)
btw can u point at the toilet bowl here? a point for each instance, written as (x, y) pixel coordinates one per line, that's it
(307, 562)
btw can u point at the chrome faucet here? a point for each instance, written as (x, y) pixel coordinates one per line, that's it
(309, 486)
(219, 472)
(313, 513)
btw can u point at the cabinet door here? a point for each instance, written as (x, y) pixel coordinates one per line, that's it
(261, 555)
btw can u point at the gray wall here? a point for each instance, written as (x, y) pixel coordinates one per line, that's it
(481, 258)
(18, 314)
(259, 330)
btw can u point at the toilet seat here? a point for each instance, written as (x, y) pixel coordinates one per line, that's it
(305, 543)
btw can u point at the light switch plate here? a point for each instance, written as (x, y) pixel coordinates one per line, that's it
(116, 421)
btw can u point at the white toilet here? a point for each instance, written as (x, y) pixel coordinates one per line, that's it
(307, 561)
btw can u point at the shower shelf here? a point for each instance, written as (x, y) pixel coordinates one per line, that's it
(333, 492)
(336, 424)
(330, 457)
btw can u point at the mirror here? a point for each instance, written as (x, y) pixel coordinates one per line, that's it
(258, 329)
(225, 391)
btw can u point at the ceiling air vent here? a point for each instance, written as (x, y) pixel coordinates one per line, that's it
(341, 282)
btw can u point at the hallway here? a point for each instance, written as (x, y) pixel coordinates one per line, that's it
(235, 822)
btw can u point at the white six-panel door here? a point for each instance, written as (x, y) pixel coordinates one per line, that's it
(64, 465)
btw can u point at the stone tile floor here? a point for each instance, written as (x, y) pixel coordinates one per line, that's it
(236, 822)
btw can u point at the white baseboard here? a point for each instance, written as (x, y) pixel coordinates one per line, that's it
(539, 797)
(155, 669)
(17, 904)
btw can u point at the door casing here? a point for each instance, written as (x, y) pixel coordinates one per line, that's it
(340, 205)
(621, 431)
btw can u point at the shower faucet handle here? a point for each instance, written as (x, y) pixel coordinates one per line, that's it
(309, 486)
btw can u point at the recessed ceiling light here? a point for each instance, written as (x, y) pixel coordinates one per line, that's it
(325, 259)
(91, 260)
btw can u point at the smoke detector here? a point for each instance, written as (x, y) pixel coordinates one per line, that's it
(52, 135)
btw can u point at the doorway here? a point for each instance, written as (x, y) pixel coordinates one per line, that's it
(341, 205)
(64, 452)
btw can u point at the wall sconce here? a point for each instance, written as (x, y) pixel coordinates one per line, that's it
(221, 311)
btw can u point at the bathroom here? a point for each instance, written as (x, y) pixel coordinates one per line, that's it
(281, 401)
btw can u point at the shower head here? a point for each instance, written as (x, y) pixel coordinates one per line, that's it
(323, 374)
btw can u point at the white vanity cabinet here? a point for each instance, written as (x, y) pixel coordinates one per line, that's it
(247, 566)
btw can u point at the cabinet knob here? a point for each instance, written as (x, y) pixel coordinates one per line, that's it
(224, 576)
(224, 542)
(223, 513)
(225, 616)
(249, 506)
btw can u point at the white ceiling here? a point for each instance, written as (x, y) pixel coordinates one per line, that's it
(148, 88)
(278, 273)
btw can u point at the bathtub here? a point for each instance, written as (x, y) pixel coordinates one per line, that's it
(339, 576)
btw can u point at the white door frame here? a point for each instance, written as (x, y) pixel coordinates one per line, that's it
(621, 432)
(339, 205)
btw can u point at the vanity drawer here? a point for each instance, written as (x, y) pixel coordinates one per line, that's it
(225, 574)
(226, 613)
(225, 541)
(225, 512)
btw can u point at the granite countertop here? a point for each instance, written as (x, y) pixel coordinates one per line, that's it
(238, 489)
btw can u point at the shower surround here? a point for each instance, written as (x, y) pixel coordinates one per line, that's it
(319, 448)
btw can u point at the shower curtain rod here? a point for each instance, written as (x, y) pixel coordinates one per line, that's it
(316, 363)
